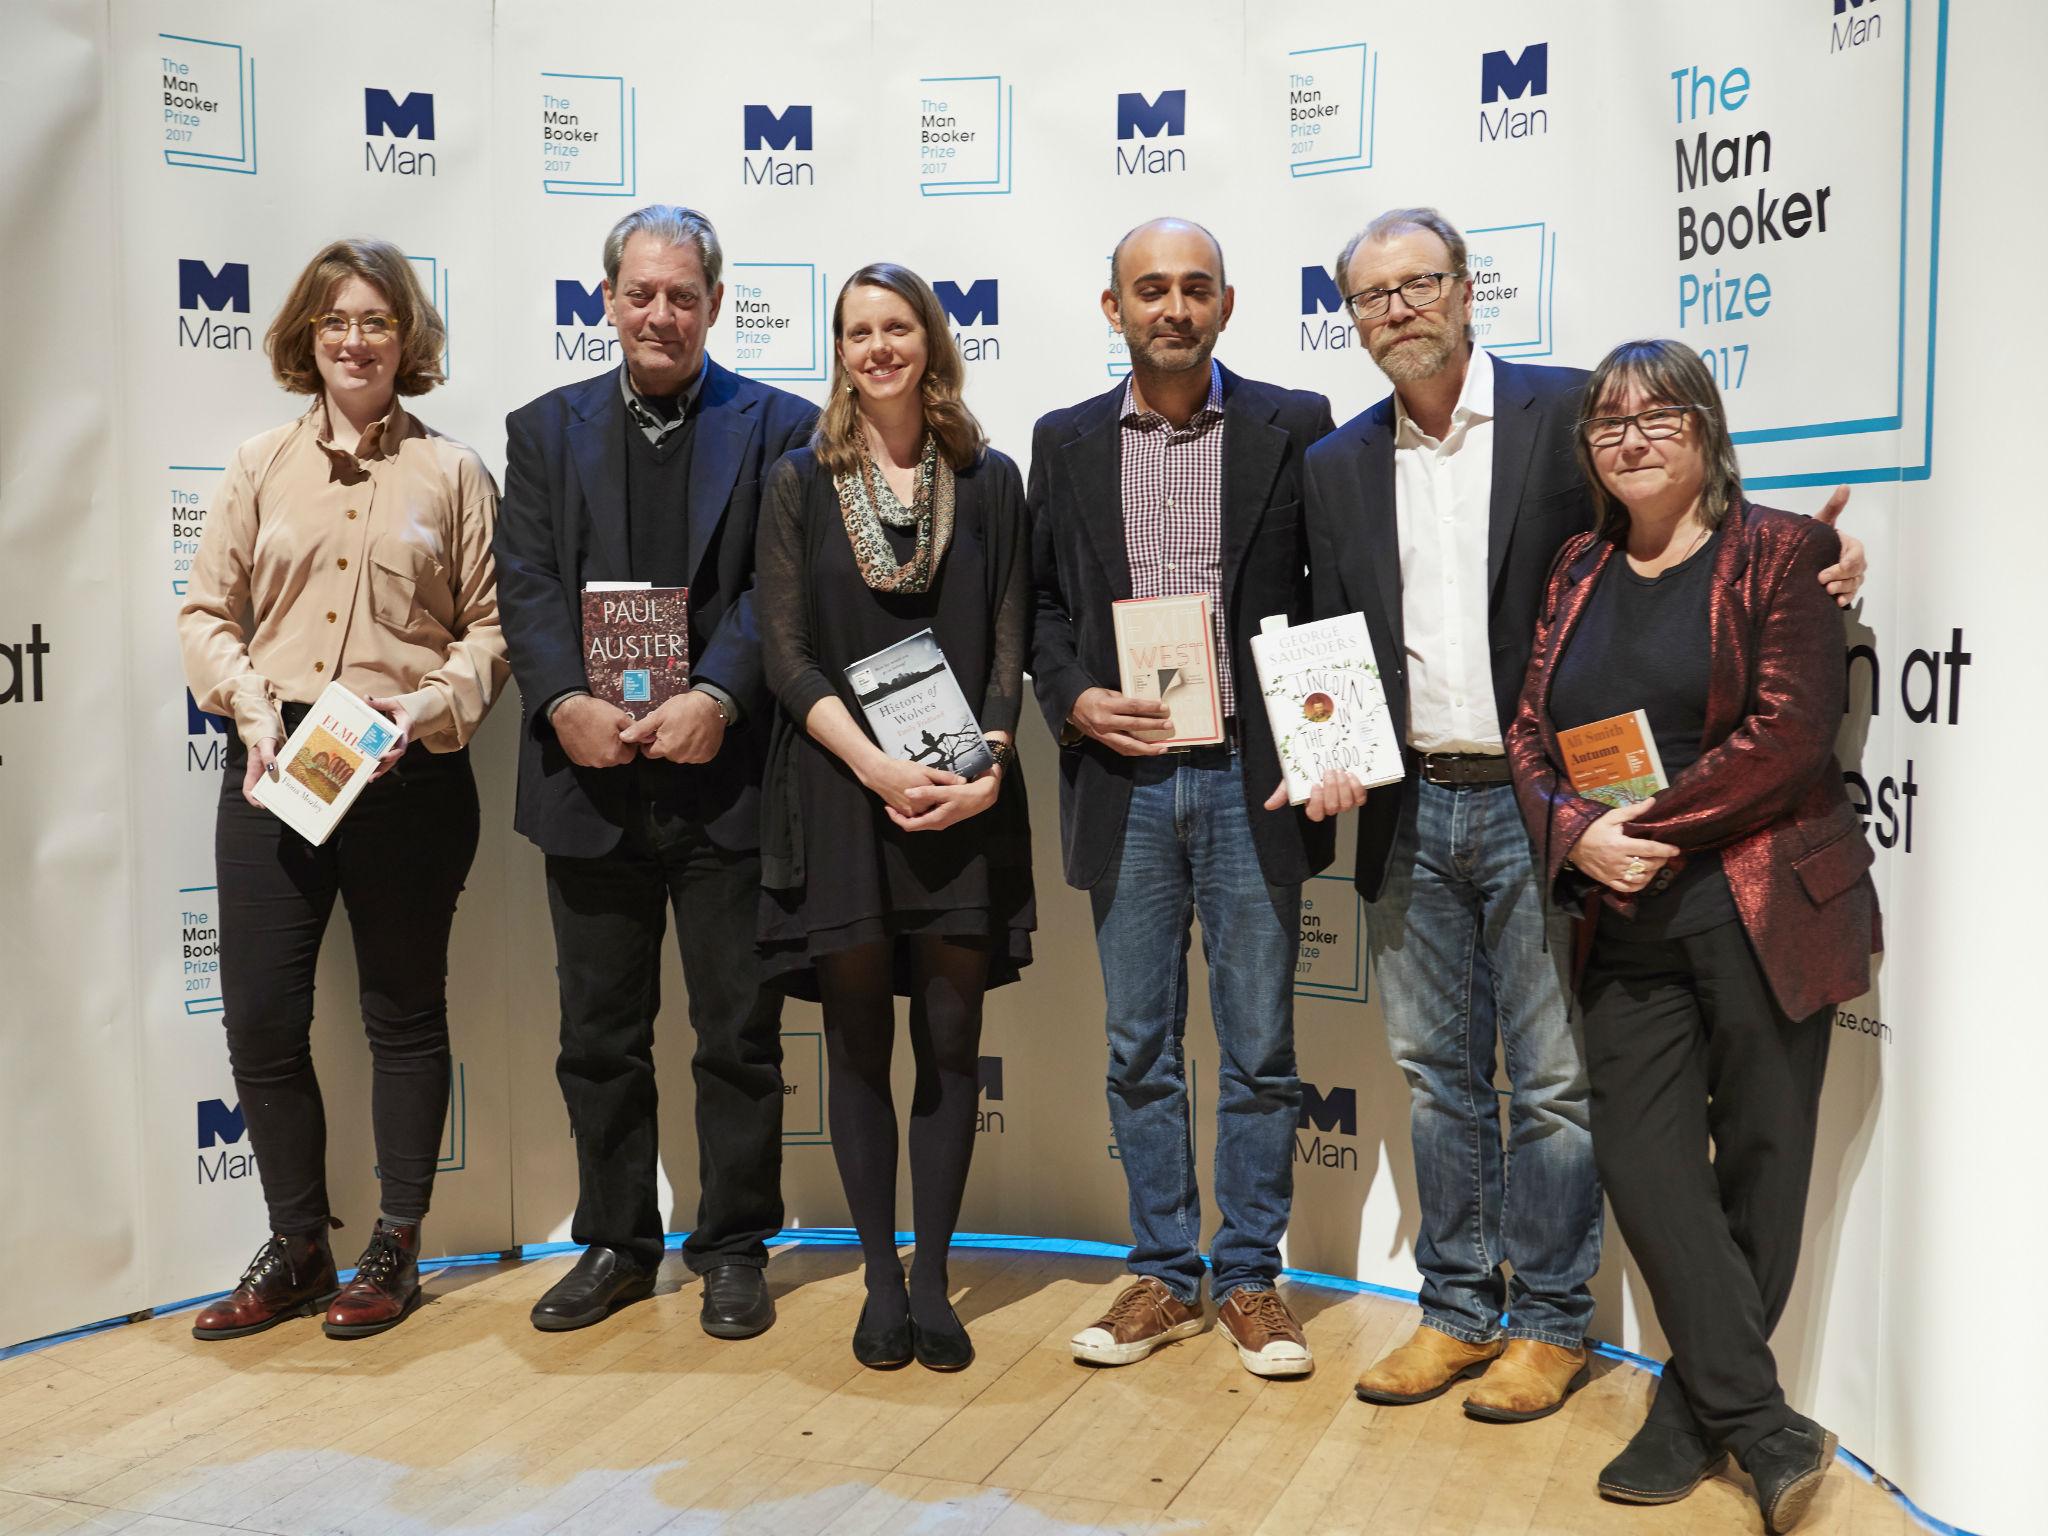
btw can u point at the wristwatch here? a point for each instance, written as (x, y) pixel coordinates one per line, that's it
(1003, 752)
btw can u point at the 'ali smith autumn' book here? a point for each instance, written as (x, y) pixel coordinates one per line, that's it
(1614, 760)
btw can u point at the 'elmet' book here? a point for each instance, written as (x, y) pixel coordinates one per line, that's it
(636, 643)
(1614, 760)
(325, 763)
(1166, 650)
(916, 710)
(1323, 696)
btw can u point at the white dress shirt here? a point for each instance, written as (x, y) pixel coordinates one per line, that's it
(1441, 495)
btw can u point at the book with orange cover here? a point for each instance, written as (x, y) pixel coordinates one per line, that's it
(1614, 760)
(1166, 650)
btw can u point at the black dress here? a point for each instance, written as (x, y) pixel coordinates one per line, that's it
(836, 871)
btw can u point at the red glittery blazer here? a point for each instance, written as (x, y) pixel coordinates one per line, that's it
(1766, 792)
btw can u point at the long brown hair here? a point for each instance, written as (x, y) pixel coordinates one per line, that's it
(1666, 373)
(421, 335)
(838, 439)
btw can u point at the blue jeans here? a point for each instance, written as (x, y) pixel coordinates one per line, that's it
(1458, 944)
(1188, 851)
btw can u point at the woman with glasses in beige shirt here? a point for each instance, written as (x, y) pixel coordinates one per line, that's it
(353, 545)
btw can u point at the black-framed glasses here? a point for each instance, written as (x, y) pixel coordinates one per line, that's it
(1658, 421)
(1418, 292)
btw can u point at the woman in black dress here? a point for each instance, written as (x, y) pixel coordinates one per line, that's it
(883, 873)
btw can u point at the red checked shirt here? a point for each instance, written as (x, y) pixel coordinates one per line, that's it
(1173, 510)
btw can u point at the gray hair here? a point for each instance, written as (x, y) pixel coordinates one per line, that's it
(666, 224)
(1392, 222)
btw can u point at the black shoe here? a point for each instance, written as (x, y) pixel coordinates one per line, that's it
(1660, 1466)
(945, 1348)
(736, 1302)
(882, 1347)
(1787, 1466)
(604, 1279)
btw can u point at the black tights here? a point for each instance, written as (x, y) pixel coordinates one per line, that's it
(856, 987)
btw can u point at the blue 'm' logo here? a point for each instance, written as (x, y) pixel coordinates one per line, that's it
(975, 305)
(1319, 295)
(398, 118)
(200, 284)
(219, 1124)
(764, 129)
(1336, 1110)
(198, 722)
(576, 304)
(1500, 75)
(1135, 115)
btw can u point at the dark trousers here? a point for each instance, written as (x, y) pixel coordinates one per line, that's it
(397, 861)
(610, 915)
(1686, 1044)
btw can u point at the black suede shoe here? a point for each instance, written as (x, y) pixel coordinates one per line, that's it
(945, 1348)
(1660, 1466)
(736, 1302)
(881, 1346)
(1787, 1467)
(603, 1280)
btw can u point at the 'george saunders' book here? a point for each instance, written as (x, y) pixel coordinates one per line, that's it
(916, 710)
(325, 763)
(1614, 760)
(636, 643)
(1166, 650)
(1325, 701)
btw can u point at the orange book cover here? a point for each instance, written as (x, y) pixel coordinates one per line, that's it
(1614, 760)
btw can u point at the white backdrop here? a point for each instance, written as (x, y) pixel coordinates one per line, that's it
(174, 164)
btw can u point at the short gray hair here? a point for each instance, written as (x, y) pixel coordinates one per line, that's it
(666, 224)
(1392, 222)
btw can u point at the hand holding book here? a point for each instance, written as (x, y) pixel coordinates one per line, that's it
(1115, 720)
(388, 758)
(1618, 860)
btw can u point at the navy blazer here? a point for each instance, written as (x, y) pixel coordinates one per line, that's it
(562, 523)
(1079, 567)
(1539, 501)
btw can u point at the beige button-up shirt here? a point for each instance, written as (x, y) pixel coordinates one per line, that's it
(371, 567)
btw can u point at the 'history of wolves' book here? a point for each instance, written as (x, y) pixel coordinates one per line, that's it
(636, 643)
(325, 763)
(916, 710)
(1324, 698)
(1614, 760)
(1166, 650)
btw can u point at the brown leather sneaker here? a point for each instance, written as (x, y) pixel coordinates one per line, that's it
(289, 1277)
(1269, 1341)
(1530, 1380)
(1144, 1316)
(386, 1286)
(1424, 1367)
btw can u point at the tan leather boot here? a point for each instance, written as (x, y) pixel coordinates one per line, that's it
(1424, 1367)
(1529, 1380)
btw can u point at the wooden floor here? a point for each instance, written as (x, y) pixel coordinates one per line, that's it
(466, 1419)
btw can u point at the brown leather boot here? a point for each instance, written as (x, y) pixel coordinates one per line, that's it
(291, 1276)
(1424, 1367)
(1530, 1380)
(386, 1286)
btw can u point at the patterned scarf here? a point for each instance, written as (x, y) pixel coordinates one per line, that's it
(866, 503)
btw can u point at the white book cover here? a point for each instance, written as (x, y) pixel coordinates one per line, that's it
(325, 763)
(1323, 696)
(1166, 650)
(915, 708)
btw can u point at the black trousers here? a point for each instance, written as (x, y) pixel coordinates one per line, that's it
(610, 916)
(1685, 1044)
(397, 862)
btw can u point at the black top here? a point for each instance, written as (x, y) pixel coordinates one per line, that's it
(836, 871)
(1644, 642)
(658, 504)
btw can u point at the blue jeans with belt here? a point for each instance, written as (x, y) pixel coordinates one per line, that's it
(1188, 852)
(1467, 953)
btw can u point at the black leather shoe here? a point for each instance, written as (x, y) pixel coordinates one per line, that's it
(1787, 1467)
(945, 1348)
(736, 1302)
(883, 1346)
(1660, 1466)
(603, 1280)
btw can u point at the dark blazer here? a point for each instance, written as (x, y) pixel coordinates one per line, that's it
(562, 522)
(1539, 500)
(1079, 567)
(1766, 791)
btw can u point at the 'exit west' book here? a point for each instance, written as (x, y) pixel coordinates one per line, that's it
(1614, 760)
(636, 643)
(1166, 650)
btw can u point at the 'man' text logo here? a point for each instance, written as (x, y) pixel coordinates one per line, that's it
(578, 305)
(988, 1076)
(977, 304)
(789, 131)
(206, 738)
(580, 332)
(1326, 1114)
(200, 288)
(1320, 299)
(1136, 118)
(1505, 77)
(392, 118)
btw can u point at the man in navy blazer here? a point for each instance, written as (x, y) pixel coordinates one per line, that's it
(651, 473)
(1183, 479)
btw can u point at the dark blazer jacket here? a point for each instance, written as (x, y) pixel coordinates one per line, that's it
(562, 522)
(1079, 567)
(1539, 500)
(1766, 791)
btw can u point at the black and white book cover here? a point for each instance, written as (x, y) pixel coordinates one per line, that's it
(916, 710)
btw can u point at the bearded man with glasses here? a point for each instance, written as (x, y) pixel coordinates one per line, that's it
(1437, 512)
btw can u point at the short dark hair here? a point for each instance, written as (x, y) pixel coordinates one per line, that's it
(421, 335)
(1668, 373)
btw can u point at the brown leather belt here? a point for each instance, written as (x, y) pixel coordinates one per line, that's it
(1231, 741)
(1463, 770)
